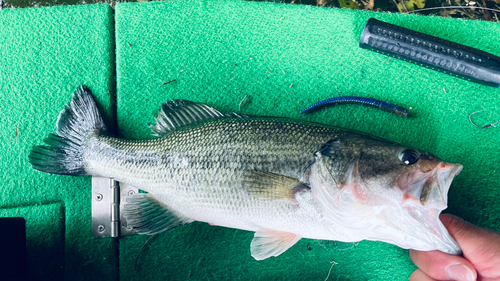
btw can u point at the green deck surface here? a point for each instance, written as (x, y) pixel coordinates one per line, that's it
(283, 58)
(44, 55)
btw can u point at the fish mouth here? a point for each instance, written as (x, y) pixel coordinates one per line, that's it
(432, 199)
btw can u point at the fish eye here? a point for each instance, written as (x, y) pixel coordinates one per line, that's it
(408, 156)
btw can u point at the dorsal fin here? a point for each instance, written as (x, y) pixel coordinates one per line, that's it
(178, 113)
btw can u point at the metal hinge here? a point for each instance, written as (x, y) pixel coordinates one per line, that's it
(108, 198)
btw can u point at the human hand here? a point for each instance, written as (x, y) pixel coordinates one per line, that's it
(480, 260)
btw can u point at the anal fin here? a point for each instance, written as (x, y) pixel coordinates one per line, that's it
(269, 243)
(147, 215)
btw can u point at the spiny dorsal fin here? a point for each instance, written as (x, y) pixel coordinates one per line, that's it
(177, 113)
(270, 243)
(147, 215)
(272, 186)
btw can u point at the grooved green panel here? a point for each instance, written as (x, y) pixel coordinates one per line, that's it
(284, 58)
(45, 54)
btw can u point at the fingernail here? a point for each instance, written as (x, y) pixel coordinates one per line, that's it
(460, 272)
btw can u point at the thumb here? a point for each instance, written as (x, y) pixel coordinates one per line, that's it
(437, 265)
(480, 246)
(481, 254)
(440, 266)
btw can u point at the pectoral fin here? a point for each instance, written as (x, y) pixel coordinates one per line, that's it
(147, 215)
(269, 243)
(272, 186)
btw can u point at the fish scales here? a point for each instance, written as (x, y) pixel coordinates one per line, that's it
(204, 164)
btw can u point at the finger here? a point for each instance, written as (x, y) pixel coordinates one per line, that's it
(475, 241)
(480, 246)
(419, 275)
(441, 266)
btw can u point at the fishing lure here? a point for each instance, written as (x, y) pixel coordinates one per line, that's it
(401, 111)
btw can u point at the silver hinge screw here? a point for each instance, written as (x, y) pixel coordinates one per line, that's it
(130, 192)
(98, 197)
(101, 228)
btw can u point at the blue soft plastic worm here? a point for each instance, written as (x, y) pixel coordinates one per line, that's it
(401, 111)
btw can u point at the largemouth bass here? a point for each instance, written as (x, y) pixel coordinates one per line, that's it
(284, 179)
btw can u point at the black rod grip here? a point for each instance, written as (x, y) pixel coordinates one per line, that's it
(432, 52)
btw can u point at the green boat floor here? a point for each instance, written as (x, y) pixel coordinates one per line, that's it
(237, 56)
(276, 56)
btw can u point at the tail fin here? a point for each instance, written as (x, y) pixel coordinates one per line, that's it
(77, 122)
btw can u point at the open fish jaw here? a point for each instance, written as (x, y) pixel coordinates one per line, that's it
(367, 207)
(425, 214)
